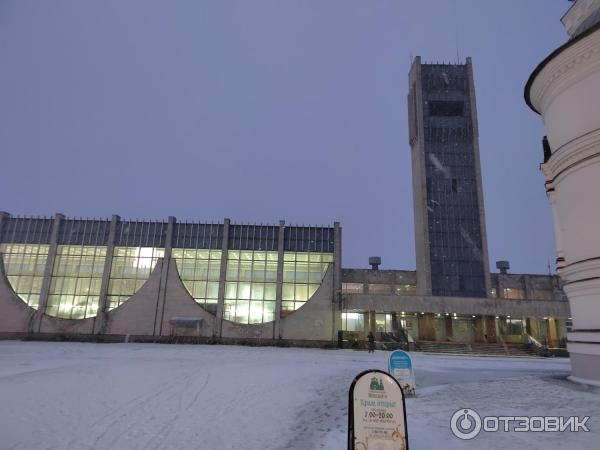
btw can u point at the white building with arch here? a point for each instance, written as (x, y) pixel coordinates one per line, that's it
(565, 90)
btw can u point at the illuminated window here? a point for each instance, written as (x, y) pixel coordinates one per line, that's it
(403, 289)
(200, 270)
(383, 323)
(353, 322)
(352, 288)
(250, 287)
(76, 280)
(302, 276)
(131, 267)
(514, 294)
(24, 266)
(380, 289)
(514, 326)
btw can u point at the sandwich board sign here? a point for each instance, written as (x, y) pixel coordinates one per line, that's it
(400, 366)
(376, 413)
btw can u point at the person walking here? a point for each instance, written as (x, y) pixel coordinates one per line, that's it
(371, 339)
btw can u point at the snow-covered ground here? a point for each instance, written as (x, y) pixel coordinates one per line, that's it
(146, 396)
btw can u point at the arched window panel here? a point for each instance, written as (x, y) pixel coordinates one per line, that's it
(303, 273)
(251, 286)
(24, 265)
(131, 268)
(76, 280)
(199, 269)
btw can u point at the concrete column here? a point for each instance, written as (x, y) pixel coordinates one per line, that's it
(490, 328)
(552, 333)
(4, 216)
(448, 323)
(336, 304)
(527, 287)
(222, 276)
(479, 329)
(162, 290)
(502, 328)
(100, 323)
(497, 286)
(372, 322)
(534, 328)
(419, 180)
(279, 288)
(484, 246)
(395, 323)
(37, 321)
(426, 327)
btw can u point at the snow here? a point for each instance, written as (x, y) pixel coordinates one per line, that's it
(156, 396)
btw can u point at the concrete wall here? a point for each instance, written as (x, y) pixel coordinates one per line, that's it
(15, 315)
(142, 314)
(419, 181)
(534, 287)
(459, 305)
(137, 315)
(379, 276)
(316, 319)
(179, 303)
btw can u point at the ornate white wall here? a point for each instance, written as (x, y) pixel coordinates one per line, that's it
(565, 90)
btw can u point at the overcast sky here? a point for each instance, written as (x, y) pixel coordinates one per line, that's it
(266, 110)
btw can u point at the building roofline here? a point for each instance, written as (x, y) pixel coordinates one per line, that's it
(549, 58)
(568, 10)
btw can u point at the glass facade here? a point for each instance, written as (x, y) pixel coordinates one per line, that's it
(453, 210)
(353, 321)
(131, 267)
(251, 286)
(302, 276)
(514, 326)
(200, 270)
(383, 323)
(24, 266)
(76, 281)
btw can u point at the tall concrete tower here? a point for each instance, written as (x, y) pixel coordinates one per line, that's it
(450, 236)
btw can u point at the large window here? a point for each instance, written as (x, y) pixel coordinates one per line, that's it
(403, 289)
(302, 276)
(24, 266)
(446, 108)
(513, 294)
(251, 286)
(199, 270)
(514, 326)
(131, 267)
(76, 280)
(383, 323)
(380, 289)
(353, 321)
(352, 288)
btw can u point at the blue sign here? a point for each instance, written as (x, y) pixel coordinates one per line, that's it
(400, 366)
